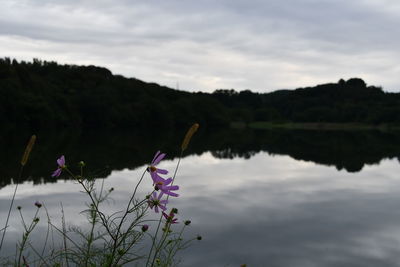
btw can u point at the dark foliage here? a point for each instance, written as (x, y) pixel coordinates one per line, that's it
(42, 95)
(342, 102)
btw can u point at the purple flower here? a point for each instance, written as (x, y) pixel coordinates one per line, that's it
(61, 165)
(156, 202)
(170, 218)
(163, 185)
(152, 168)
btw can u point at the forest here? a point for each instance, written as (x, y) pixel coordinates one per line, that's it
(42, 94)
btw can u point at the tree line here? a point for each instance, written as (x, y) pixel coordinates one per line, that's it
(43, 94)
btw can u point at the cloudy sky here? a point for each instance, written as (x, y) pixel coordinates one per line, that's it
(203, 45)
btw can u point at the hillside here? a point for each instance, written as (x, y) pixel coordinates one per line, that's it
(42, 95)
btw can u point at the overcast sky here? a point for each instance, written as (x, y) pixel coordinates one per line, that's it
(203, 45)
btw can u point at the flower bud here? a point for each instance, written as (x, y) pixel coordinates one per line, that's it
(187, 222)
(145, 227)
(174, 210)
(199, 237)
(82, 164)
(38, 204)
(19, 208)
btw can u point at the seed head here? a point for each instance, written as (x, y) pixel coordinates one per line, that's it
(189, 135)
(28, 150)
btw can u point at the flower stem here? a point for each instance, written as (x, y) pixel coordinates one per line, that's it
(11, 205)
(159, 221)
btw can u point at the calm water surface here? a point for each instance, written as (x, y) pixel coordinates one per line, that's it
(265, 210)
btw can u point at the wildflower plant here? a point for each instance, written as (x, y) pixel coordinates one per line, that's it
(61, 166)
(117, 238)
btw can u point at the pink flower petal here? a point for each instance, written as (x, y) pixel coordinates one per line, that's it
(161, 171)
(158, 159)
(172, 194)
(172, 187)
(155, 156)
(61, 161)
(168, 181)
(56, 173)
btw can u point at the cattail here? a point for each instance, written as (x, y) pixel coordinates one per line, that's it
(28, 150)
(189, 135)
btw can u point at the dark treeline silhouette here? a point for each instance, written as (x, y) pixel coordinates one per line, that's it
(42, 95)
(105, 151)
(342, 102)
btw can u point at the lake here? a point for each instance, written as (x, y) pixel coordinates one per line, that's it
(264, 198)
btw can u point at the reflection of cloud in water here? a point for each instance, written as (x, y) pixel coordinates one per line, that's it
(266, 211)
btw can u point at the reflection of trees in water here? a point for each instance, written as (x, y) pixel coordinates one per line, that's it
(101, 151)
(130, 149)
(230, 153)
(349, 150)
(345, 150)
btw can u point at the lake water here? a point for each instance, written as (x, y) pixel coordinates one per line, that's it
(290, 198)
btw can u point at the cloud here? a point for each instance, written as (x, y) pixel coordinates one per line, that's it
(258, 45)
